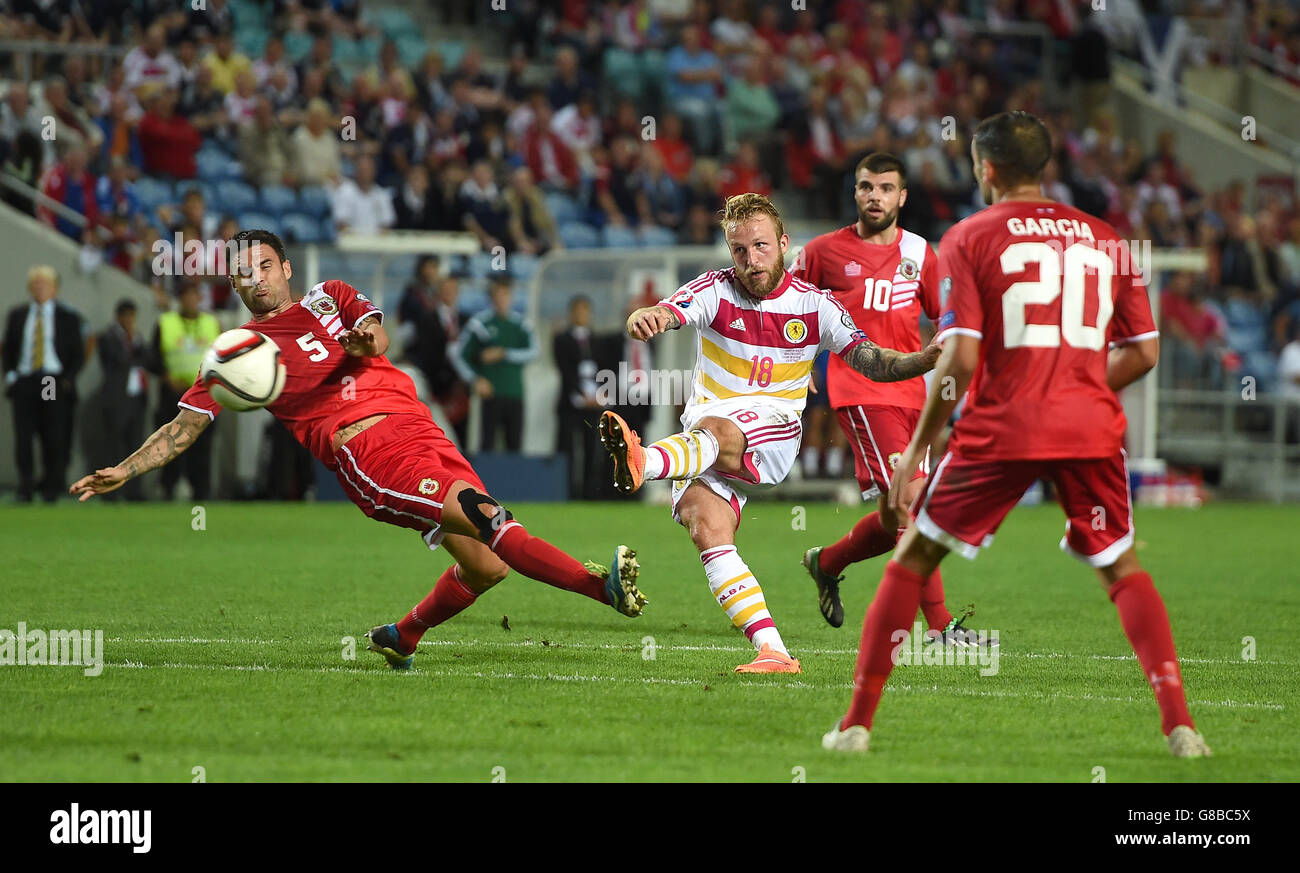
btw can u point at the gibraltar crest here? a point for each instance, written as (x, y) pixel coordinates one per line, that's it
(324, 306)
(908, 269)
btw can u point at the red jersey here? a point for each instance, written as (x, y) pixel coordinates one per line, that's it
(325, 388)
(1046, 288)
(884, 288)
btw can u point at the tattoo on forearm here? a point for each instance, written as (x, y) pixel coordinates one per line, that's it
(165, 444)
(888, 365)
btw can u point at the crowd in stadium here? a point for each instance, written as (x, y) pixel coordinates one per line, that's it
(581, 123)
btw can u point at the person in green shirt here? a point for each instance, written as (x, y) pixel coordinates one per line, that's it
(490, 354)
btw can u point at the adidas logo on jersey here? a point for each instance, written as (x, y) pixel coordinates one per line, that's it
(738, 324)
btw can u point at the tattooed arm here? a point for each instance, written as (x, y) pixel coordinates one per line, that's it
(887, 365)
(165, 444)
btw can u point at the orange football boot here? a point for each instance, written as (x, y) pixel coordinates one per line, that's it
(625, 446)
(770, 661)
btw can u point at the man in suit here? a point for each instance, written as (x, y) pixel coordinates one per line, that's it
(123, 396)
(44, 349)
(436, 333)
(576, 356)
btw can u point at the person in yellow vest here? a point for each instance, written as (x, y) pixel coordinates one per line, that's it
(179, 343)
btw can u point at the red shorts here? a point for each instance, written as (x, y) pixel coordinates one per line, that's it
(397, 471)
(964, 502)
(878, 435)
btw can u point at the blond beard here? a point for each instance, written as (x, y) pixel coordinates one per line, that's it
(772, 281)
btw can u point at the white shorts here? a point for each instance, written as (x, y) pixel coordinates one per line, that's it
(773, 436)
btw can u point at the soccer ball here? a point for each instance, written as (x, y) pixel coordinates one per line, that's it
(242, 370)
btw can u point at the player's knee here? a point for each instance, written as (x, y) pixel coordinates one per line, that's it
(483, 574)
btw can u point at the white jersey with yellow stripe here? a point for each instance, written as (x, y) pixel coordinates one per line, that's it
(759, 349)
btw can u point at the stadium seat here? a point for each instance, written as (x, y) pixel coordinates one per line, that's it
(278, 199)
(411, 49)
(216, 166)
(562, 207)
(616, 237)
(366, 50)
(451, 51)
(315, 201)
(208, 191)
(301, 228)
(480, 265)
(297, 44)
(251, 41)
(234, 196)
(523, 266)
(623, 72)
(260, 221)
(395, 23)
(653, 236)
(577, 235)
(153, 193)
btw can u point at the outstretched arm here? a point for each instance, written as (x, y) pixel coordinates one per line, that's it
(165, 444)
(887, 365)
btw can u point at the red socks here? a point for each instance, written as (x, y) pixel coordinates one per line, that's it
(1146, 624)
(447, 598)
(538, 559)
(937, 615)
(867, 539)
(891, 611)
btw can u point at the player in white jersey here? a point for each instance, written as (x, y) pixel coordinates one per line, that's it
(759, 331)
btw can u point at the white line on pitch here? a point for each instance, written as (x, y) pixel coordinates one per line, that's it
(654, 680)
(678, 648)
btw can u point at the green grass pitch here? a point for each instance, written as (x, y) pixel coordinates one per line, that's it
(224, 649)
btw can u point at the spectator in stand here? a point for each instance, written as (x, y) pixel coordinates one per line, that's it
(241, 103)
(189, 64)
(274, 61)
(700, 229)
(444, 189)
(617, 192)
(265, 149)
(209, 20)
(660, 196)
(732, 34)
(120, 142)
(1053, 186)
(578, 127)
(429, 87)
(491, 353)
(694, 81)
(704, 187)
(743, 174)
(169, 142)
(532, 229)
(448, 143)
(321, 58)
(551, 161)
(115, 193)
(406, 144)
(316, 147)
(150, 63)
(23, 162)
(413, 204)
(484, 210)
(1163, 231)
(193, 213)
(118, 409)
(1155, 186)
(17, 114)
(1193, 334)
(674, 151)
(72, 126)
(204, 105)
(361, 206)
(70, 183)
(569, 82)
(226, 63)
(751, 110)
